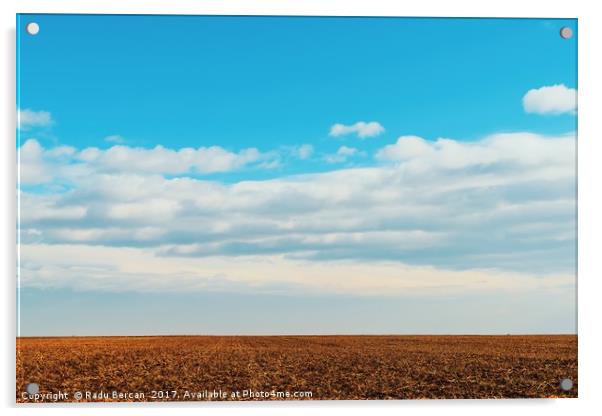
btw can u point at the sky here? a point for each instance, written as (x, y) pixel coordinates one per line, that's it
(296, 175)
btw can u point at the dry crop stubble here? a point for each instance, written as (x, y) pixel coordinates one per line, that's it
(330, 367)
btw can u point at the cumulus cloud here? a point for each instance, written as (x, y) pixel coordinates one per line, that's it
(29, 118)
(554, 99)
(31, 167)
(361, 129)
(169, 161)
(501, 209)
(39, 165)
(342, 154)
(510, 150)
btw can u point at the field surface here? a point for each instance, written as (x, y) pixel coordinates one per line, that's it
(294, 367)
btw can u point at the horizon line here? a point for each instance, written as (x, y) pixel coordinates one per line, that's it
(303, 335)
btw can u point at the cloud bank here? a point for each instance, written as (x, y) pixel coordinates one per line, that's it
(498, 211)
(38, 165)
(133, 269)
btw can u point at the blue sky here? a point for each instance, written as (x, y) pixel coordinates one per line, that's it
(435, 154)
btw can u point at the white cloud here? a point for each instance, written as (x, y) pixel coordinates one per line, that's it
(342, 155)
(554, 99)
(406, 148)
(115, 138)
(39, 165)
(347, 151)
(90, 154)
(134, 269)
(513, 149)
(501, 209)
(361, 129)
(32, 170)
(28, 118)
(161, 160)
(61, 151)
(304, 151)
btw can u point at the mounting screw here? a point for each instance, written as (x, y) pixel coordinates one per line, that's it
(566, 33)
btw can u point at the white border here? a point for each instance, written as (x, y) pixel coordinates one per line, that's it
(590, 150)
(507, 8)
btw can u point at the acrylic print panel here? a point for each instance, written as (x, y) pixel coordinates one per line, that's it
(295, 208)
